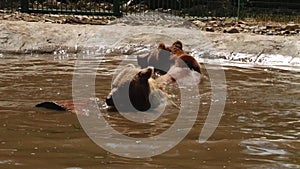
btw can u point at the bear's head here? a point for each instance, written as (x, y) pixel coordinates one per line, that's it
(161, 57)
(188, 61)
(186, 70)
(158, 58)
(175, 48)
(177, 44)
(132, 89)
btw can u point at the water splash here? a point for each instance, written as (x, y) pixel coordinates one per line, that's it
(247, 59)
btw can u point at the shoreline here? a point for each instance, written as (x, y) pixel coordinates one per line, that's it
(21, 37)
(263, 26)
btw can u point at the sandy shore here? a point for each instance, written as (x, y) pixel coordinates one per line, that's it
(38, 37)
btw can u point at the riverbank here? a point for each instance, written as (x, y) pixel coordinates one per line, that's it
(46, 37)
(263, 26)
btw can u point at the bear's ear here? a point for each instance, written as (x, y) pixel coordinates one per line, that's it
(177, 44)
(161, 46)
(145, 74)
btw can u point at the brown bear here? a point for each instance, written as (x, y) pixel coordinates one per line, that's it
(181, 58)
(134, 89)
(186, 61)
(176, 47)
(184, 69)
(158, 58)
(164, 57)
(181, 75)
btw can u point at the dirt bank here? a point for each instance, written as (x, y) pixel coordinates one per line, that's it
(27, 37)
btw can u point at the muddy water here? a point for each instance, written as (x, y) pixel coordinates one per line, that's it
(259, 128)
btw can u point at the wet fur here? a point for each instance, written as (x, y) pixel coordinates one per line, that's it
(164, 57)
(174, 64)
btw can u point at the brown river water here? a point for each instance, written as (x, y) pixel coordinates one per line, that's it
(259, 128)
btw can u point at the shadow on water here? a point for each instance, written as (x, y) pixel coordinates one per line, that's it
(259, 127)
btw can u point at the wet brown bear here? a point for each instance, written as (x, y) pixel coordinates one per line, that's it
(184, 70)
(186, 61)
(181, 75)
(134, 89)
(164, 57)
(160, 58)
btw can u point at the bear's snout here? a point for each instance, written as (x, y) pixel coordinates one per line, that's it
(109, 101)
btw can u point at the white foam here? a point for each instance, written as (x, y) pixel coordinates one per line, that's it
(248, 60)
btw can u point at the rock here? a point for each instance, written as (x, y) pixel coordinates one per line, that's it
(49, 20)
(246, 30)
(263, 28)
(215, 25)
(209, 29)
(278, 29)
(242, 22)
(222, 18)
(253, 27)
(264, 31)
(269, 26)
(270, 33)
(231, 30)
(204, 19)
(199, 23)
(187, 24)
(241, 25)
(229, 23)
(292, 27)
(6, 16)
(285, 32)
(212, 22)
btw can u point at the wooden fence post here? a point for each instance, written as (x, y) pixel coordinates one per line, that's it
(116, 8)
(24, 6)
(240, 7)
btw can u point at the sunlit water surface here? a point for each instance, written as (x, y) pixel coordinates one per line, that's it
(260, 126)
